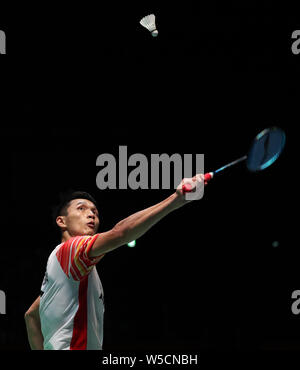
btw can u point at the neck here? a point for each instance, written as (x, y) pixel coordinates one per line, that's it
(65, 236)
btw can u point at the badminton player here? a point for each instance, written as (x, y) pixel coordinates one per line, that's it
(68, 314)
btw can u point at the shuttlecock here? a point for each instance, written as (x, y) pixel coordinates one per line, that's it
(149, 22)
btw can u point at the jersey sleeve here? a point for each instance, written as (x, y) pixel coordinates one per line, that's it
(73, 256)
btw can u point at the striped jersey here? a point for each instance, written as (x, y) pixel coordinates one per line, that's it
(72, 300)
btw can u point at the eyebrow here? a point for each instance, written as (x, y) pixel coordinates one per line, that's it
(81, 202)
(84, 203)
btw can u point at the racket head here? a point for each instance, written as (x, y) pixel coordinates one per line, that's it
(265, 149)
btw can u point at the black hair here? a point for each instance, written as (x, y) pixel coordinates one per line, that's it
(61, 209)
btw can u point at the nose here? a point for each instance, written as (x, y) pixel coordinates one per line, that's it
(91, 215)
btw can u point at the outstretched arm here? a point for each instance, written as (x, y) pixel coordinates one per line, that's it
(33, 326)
(134, 226)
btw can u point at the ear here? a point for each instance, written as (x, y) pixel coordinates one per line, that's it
(60, 221)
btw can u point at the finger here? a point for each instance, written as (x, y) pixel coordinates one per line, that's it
(187, 187)
(200, 177)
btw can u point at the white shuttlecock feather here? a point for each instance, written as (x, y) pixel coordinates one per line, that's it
(149, 22)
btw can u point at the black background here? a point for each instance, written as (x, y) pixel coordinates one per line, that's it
(81, 80)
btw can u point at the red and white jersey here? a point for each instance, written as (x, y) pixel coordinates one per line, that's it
(72, 300)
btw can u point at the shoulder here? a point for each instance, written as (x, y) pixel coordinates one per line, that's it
(54, 251)
(80, 239)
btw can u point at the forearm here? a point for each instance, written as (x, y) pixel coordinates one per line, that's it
(139, 223)
(35, 336)
(33, 326)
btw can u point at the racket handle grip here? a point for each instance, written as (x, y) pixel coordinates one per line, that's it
(208, 176)
(186, 188)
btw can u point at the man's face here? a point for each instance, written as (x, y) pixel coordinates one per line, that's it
(82, 218)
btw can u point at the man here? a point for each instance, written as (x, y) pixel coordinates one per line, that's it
(69, 312)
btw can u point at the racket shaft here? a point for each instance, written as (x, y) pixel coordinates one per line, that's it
(231, 164)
